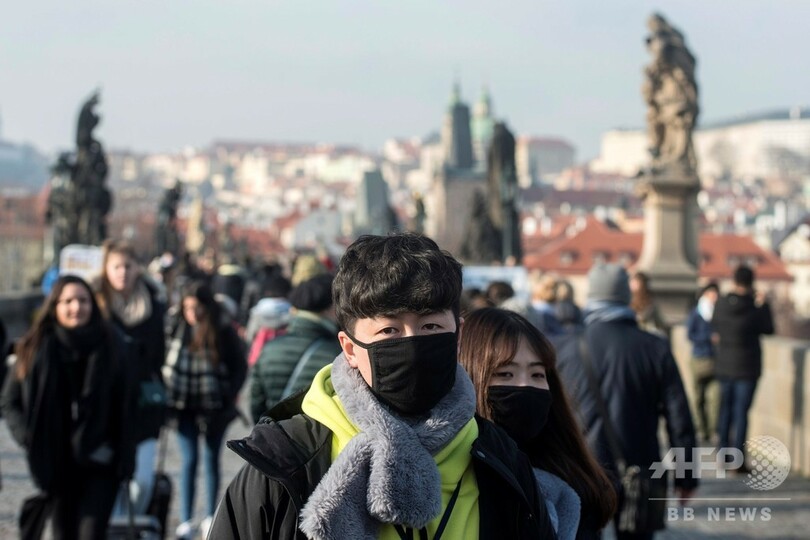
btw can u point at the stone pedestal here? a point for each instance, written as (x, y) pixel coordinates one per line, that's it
(670, 255)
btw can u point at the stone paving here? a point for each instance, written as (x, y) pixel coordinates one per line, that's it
(724, 509)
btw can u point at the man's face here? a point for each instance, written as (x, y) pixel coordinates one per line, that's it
(370, 330)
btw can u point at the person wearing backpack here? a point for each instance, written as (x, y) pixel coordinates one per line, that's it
(288, 363)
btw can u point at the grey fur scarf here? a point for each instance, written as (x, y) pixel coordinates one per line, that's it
(386, 473)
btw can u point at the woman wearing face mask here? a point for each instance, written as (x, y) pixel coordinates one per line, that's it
(205, 368)
(134, 305)
(513, 368)
(68, 402)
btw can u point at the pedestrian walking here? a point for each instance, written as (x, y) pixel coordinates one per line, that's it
(204, 371)
(513, 368)
(740, 319)
(643, 303)
(288, 363)
(385, 443)
(136, 306)
(636, 385)
(706, 390)
(68, 403)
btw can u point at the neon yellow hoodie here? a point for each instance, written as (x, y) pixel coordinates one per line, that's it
(454, 461)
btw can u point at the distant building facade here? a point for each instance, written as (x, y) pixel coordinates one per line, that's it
(454, 180)
(586, 241)
(540, 159)
(794, 250)
(754, 146)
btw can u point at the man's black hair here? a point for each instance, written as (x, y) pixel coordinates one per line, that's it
(744, 276)
(390, 275)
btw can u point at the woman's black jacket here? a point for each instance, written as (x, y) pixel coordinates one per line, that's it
(104, 411)
(148, 344)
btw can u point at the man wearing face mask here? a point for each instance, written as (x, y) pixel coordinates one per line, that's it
(385, 444)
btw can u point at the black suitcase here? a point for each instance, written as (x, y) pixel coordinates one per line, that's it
(160, 501)
(130, 526)
(162, 490)
(142, 527)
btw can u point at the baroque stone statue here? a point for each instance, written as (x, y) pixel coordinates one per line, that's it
(79, 200)
(482, 243)
(671, 94)
(493, 230)
(166, 236)
(502, 191)
(62, 213)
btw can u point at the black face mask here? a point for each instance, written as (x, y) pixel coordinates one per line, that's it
(520, 410)
(411, 374)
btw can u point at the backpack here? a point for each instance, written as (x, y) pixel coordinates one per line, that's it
(264, 335)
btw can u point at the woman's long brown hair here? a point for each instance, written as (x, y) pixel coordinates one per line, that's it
(44, 324)
(642, 298)
(206, 335)
(490, 339)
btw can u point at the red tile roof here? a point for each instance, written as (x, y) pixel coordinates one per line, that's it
(720, 253)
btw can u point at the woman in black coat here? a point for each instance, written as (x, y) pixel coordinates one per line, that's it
(68, 402)
(133, 305)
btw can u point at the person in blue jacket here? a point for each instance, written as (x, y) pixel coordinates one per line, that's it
(706, 389)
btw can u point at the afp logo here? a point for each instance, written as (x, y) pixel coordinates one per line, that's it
(769, 459)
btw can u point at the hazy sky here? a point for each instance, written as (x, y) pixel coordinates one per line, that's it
(183, 72)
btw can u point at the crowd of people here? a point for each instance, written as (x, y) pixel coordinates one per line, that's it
(387, 401)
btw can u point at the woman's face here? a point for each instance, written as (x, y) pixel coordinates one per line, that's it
(525, 369)
(193, 311)
(74, 306)
(121, 272)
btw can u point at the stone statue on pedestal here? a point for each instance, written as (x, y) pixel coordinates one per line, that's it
(482, 244)
(670, 184)
(493, 233)
(79, 201)
(502, 192)
(89, 175)
(671, 94)
(166, 236)
(62, 213)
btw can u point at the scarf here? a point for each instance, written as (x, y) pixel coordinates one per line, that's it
(80, 342)
(135, 309)
(386, 473)
(705, 309)
(605, 311)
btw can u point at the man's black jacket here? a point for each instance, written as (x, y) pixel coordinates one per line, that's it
(287, 458)
(640, 383)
